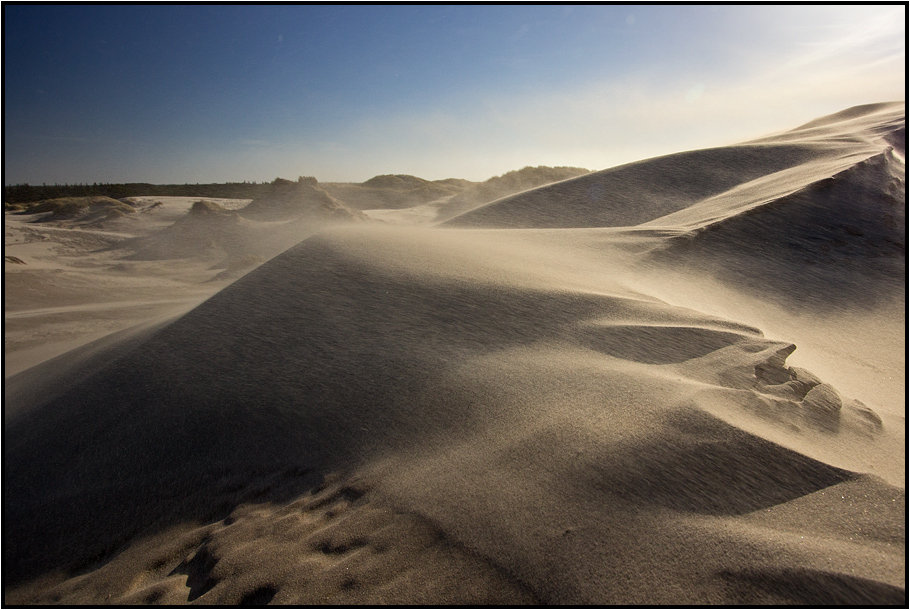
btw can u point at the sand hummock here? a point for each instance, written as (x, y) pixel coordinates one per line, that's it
(679, 381)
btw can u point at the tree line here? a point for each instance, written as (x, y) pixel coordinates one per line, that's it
(27, 193)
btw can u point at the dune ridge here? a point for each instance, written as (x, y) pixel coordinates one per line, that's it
(646, 191)
(559, 397)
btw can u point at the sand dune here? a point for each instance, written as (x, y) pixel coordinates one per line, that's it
(688, 182)
(638, 192)
(592, 395)
(435, 205)
(394, 191)
(301, 199)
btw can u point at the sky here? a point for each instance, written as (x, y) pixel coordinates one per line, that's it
(174, 94)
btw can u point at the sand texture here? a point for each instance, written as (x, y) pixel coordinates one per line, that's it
(678, 381)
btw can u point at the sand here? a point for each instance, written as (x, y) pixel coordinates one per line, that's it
(679, 381)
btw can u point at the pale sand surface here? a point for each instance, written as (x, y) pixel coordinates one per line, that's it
(71, 288)
(679, 381)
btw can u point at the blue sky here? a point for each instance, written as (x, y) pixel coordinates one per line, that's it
(174, 94)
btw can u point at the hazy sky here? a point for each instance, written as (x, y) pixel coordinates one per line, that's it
(174, 94)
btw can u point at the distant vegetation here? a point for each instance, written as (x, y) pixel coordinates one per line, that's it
(386, 191)
(26, 193)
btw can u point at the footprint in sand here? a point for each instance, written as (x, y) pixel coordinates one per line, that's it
(819, 405)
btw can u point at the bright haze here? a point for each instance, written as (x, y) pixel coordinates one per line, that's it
(175, 94)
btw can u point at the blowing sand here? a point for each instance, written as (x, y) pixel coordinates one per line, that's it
(679, 381)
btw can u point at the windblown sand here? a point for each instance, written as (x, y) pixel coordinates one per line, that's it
(679, 381)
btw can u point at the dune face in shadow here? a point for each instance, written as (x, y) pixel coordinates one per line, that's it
(829, 244)
(696, 464)
(802, 586)
(659, 345)
(346, 549)
(513, 417)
